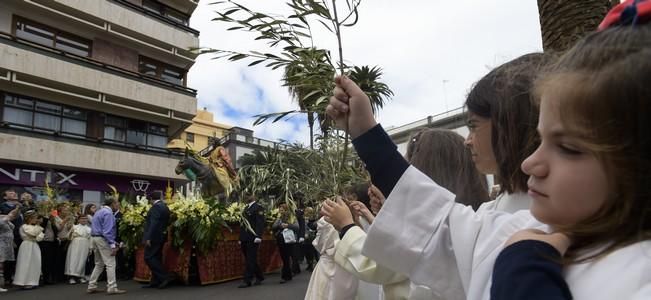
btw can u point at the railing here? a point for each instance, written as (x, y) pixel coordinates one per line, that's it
(244, 139)
(89, 139)
(98, 64)
(426, 121)
(158, 16)
(254, 141)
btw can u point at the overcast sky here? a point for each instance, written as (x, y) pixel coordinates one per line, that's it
(431, 51)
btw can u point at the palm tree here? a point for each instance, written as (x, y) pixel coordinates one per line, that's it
(563, 22)
(368, 80)
(309, 81)
(308, 78)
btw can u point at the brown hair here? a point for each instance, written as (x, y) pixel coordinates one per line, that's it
(88, 207)
(441, 155)
(360, 191)
(603, 83)
(504, 96)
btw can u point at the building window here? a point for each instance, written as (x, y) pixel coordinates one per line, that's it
(157, 136)
(38, 115)
(189, 137)
(115, 129)
(51, 37)
(157, 69)
(124, 131)
(166, 11)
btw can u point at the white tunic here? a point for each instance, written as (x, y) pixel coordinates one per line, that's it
(422, 245)
(329, 281)
(28, 263)
(78, 251)
(349, 256)
(395, 285)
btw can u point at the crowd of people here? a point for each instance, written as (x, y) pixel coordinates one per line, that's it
(62, 243)
(567, 137)
(293, 232)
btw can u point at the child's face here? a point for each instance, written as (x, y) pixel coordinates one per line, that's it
(479, 141)
(83, 221)
(568, 184)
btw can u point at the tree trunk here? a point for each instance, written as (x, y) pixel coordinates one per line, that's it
(310, 122)
(563, 22)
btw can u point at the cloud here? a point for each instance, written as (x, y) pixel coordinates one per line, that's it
(431, 53)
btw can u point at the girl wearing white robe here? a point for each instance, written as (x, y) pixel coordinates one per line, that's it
(78, 251)
(329, 281)
(28, 263)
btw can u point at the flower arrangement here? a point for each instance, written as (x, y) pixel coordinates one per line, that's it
(234, 213)
(133, 222)
(201, 218)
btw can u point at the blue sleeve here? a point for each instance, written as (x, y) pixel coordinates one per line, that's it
(381, 157)
(529, 270)
(109, 230)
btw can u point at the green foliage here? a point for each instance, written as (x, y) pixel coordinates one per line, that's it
(299, 172)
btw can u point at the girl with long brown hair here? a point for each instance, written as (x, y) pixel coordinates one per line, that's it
(591, 176)
(440, 154)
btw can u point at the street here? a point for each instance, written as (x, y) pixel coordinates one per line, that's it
(270, 289)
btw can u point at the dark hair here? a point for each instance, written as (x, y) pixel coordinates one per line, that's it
(157, 195)
(360, 191)
(87, 208)
(504, 96)
(109, 200)
(605, 97)
(10, 189)
(441, 155)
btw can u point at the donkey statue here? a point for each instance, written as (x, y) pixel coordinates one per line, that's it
(196, 170)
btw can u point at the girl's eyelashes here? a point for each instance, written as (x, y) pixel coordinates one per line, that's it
(569, 149)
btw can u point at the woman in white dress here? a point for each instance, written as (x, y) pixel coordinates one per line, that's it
(78, 251)
(28, 263)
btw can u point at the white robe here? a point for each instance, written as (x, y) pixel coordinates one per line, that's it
(422, 245)
(28, 263)
(398, 286)
(367, 290)
(78, 251)
(349, 256)
(329, 281)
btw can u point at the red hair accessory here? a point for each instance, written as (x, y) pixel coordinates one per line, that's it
(629, 12)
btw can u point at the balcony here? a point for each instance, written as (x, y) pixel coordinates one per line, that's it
(176, 13)
(126, 23)
(29, 64)
(32, 150)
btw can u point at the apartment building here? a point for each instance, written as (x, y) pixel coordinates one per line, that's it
(92, 91)
(202, 131)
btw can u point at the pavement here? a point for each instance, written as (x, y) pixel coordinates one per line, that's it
(270, 289)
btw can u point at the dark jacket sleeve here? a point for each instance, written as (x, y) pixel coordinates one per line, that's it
(529, 270)
(153, 220)
(259, 221)
(300, 215)
(275, 227)
(383, 161)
